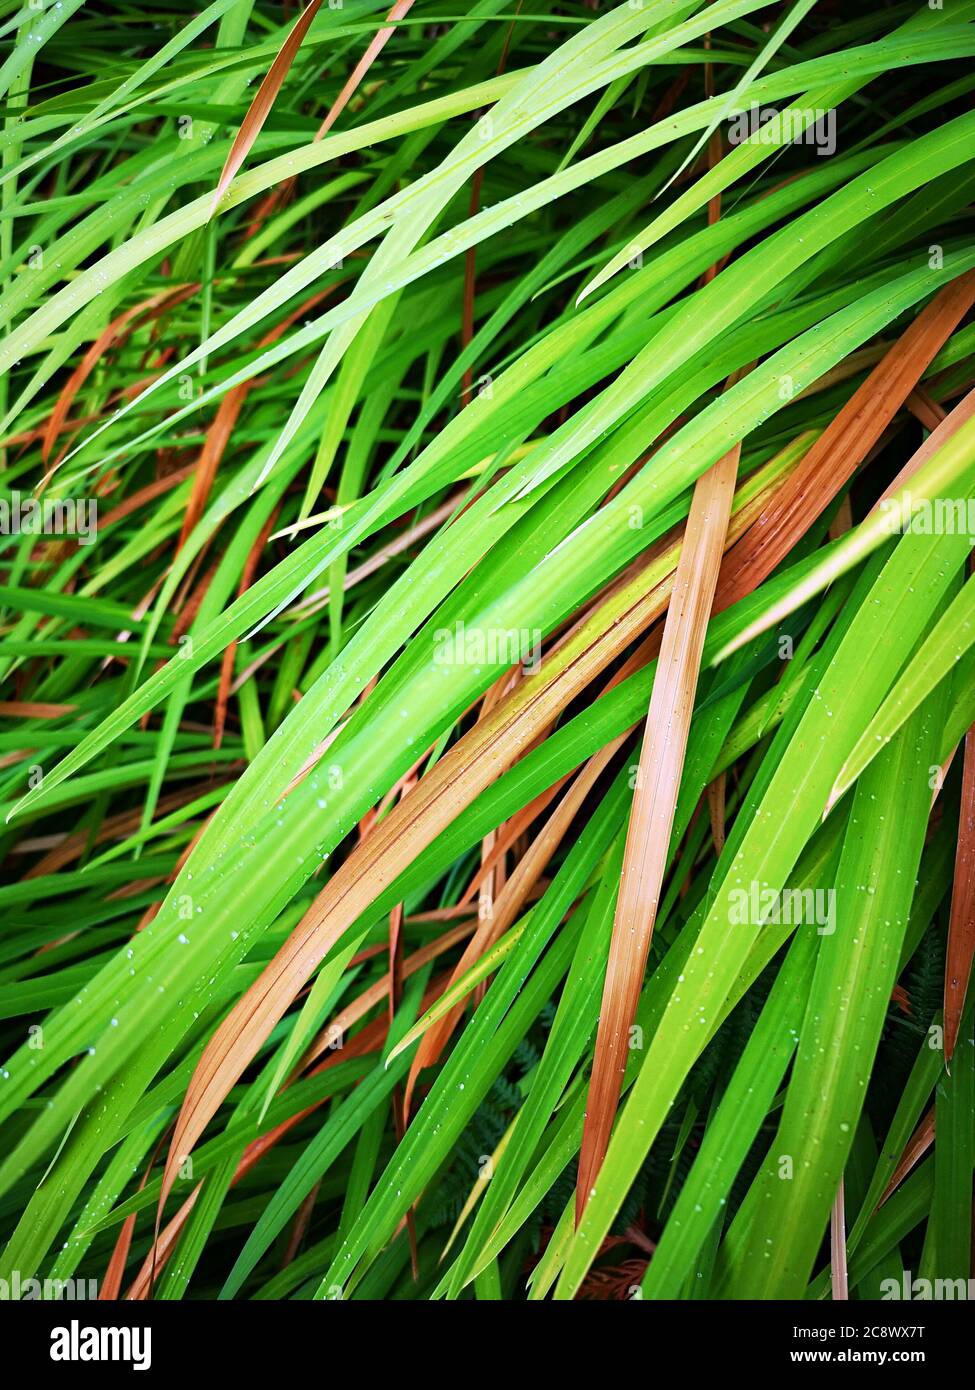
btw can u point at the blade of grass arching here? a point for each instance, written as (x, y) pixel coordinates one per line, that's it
(399, 11)
(849, 437)
(654, 802)
(342, 314)
(459, 991)
(733, 1129)
(961, 924)
(947, 1251)
(166, 597)
(571, 1029)
(762, 58)
(452, 242)
(153, 240)
(774, 134)
(944, 646)
(870, 652)
(946, 468)
(774, 1254)
(264, 99)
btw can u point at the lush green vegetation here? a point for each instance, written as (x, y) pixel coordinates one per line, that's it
(487, 648)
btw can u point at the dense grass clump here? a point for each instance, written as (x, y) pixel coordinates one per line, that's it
(488, 649)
